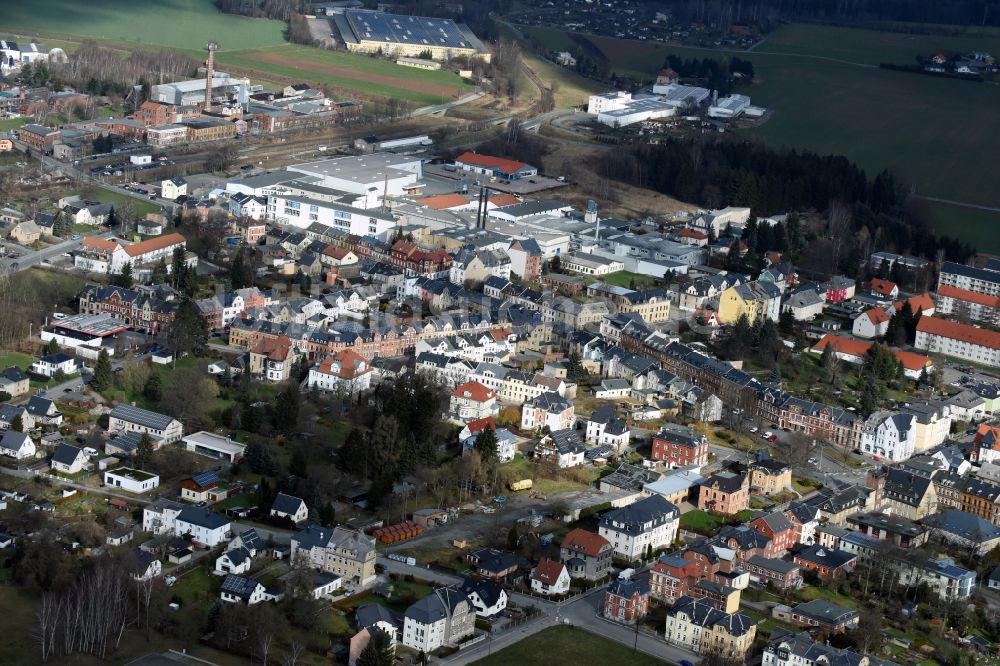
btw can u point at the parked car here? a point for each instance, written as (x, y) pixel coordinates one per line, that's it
(767, 435)
(754, 430)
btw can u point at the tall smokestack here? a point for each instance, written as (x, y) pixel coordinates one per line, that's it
(210, 68)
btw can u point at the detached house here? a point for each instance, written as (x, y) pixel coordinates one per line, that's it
(342, 551)
(487, 597)
(472, 401)
(346, 371)
(53, 364)
(237, 589)
(890, 436)
(679, 446)
(872, 323)
(161, 428)
(68, 459)
(292, 508)
(562, 448)
(626, 601)
(17, 445)
(14, 382)
(586, 555)
(699, 626)
(204, 526)
(550, 577)
(724, 493)
(271, 359)
(547, 409)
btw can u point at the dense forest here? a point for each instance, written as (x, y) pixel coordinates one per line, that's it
(771, 181)
(727, 12)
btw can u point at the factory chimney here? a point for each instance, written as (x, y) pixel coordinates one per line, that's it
(590, 217)
(209, 69)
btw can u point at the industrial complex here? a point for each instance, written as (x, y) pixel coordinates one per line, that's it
(397, 35)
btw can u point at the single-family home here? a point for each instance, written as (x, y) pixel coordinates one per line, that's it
(828, 616)
(561, 448)
(172, 188)
(547, 409)
(237, 589)
(133, 480)
(872, 323)
(51, 364)
(17, 445)
(292, 508)
(161, 428)
(44, 411)
(486, 596)
(14, 382)
(346, 371)
(827, 562)
(68, 459)
(471, 401)
(492, 564)
(235, 561)
(550, 577)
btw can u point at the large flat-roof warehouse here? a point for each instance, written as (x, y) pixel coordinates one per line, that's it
(398, 35)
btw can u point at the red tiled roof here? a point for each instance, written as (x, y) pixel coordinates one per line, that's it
(584, 541)
(481, 424)
(843, 345)
(920, 303)
(350, 363)
(491, 162)
(877, 316)
(153, 244)
(98, 245)
(474, 391)
(882, 287)
(501, 200)
(986, 429)
(969, 296)
(442, 201)
(547, 571)
(276, 349)
(335, 251)
(962, 332)
(692, 233)
(912, 360)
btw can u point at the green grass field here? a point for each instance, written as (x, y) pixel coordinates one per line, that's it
(567, 646)
(362, 75)
(8, 359)
(935, 133)
(13, 123)
(102, 195)
(185, 24)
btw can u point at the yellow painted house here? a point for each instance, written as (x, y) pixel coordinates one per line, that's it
(757, 300)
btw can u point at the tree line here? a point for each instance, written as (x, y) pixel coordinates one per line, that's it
(714, 173)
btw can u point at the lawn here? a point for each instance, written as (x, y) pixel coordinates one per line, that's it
(197, 586)
(8, 359)
(13, 123)
(184, 24)
(702, 522)
(935, 133)
(567, 646)
(979, 227)
(102, 195)
(351, 75)
(626, 279)
(824, 592)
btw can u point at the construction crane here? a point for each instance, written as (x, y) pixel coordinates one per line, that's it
(209, 69)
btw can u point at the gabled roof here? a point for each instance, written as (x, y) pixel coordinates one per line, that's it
(13, 440)
(437, 605)
(583, 541)
(491, 162)
(488, 591)
(286, 504)
(548, 571)
(66, 454)
(142, 417)
(239, 586)
(474, 391)
(961, 332)
(371, 614)
(153, 244)
(202, 518)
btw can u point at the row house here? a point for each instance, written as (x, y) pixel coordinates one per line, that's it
(139, 310)
(972, 495)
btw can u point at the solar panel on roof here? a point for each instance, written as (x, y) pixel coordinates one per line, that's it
(205, 478)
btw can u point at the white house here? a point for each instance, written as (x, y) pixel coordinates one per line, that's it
(51, 364)
(173, 188)
(604, 427)
(472, 401)
(204, 526)
(443, 617)
(486, 596)
(871, 323)
(633, 529)
(506, 442)
(236, 561)
(292, 508)
(346, 371)
(17, 445)
(547, 409)
(890, 436)
(550, 577)
(562, 446)
(132, 480)
(237, 589)
(68, 459)
(147, 566)
(159, 517)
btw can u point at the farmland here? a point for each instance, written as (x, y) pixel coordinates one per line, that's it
(352, 75)
(185, 24)
(936, 133)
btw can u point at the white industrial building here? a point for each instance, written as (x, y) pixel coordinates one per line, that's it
(385, 173)
(619, 109)
(192, 91)
(303, 212)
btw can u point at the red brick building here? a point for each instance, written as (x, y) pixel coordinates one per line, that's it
(626, 601)
(679, 446)
(724, 493)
